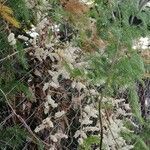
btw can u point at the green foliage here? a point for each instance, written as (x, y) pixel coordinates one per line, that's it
(129, 69)
(4, 48)
(21, 55)
(6, 69)
(138, 140)
(12, 137)
(134, 103)
(21, 87)
(13, 68)
(119, 65)
(20, 10)
(88, 142)
(56, 13)
(121, 24)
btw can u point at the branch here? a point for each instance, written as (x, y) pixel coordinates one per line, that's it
(13, 54)
(100, 121)
(22, 121)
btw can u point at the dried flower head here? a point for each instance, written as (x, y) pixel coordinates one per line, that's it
(74, 6)
(7, 14)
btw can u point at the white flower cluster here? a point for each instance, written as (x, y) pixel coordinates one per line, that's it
(55, 74)
(59, 114)
(22, 37)
(58, 136)
(46, 123)
(69, 54)
(88, 2)
(78, 85)
(93, 92)
(113, 125)
(112, 136)
(49, 50)
(81, 135)
(142, 43)
(48, 103)
(11, 39)
(89, 112)
(41, 25)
